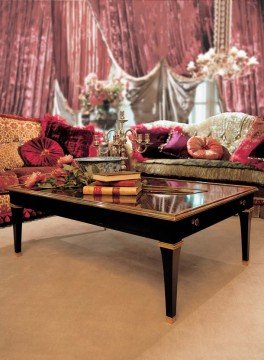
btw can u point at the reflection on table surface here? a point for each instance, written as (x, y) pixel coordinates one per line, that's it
(166, 195)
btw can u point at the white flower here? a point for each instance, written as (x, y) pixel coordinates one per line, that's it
(205, 70)
(235, 68)
(234, 50)
(200, 58)
(241, 54)
(207, 56)
(253, 61)
(221, 72)
(90, 77)
(211, 52)
(191, 66)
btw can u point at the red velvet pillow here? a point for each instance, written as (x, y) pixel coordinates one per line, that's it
(41, 152)
(201, 147)
(74, 141)
(176, 145)
(158, 136)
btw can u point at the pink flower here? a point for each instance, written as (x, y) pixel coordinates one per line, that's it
(67, 159)
(34, 178)
(59, 172)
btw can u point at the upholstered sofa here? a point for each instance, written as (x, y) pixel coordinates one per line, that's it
(230, 129)
(16, 131)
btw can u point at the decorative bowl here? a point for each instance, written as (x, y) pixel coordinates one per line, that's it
(95, 165)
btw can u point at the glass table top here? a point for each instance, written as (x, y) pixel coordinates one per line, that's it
(159, 196)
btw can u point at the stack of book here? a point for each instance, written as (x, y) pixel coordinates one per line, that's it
(117, 187)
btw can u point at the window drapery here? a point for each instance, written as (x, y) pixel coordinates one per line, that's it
(246, 94)
(150, 43)
(26, 71)
(141, 33)
(78, 47)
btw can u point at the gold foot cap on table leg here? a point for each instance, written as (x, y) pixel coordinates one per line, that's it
(18, 254)
(170, 320)
(245, 263)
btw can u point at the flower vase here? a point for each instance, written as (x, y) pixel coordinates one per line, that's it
(104, 116)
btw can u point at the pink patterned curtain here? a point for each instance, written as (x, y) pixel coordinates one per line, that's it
(246, 94)
(142, 32)
(78, 47)
(26, 71)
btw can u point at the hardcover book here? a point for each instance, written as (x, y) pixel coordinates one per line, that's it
(117, 176)
(117, 183)
(111, 190)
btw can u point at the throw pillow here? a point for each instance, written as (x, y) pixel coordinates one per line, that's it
(41, 151)
(74, 141)
(201, 147)
(17, 128)
(158, 136)
(9, 156)
(176, 145)
(251, 145)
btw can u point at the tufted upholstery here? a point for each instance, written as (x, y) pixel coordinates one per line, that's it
(230, 129)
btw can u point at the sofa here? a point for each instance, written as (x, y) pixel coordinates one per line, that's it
(30, 145)
(230, 129)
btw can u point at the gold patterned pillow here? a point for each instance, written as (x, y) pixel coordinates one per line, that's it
(9, 156)
(13, 129)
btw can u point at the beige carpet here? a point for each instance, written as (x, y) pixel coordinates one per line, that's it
(82, 293)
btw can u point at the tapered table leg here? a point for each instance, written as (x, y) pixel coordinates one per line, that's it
(170, 259)
(245, 224)
(17, 215)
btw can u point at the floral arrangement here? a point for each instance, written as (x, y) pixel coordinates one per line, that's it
(68, 174)
(229, 64)
(100, 93)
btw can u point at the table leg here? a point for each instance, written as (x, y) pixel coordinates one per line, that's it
(245, 224)
(17, 216)
(170, 259)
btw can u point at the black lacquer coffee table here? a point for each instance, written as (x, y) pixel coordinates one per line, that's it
(167, 211)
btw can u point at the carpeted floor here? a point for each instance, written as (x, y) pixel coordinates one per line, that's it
(79, 292)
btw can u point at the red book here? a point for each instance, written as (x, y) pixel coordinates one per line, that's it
(92, 189)
(117, 183)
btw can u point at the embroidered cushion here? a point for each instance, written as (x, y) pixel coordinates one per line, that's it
(17, 128)
(201, 147)
(41, 151)
(253, 143)
(176, 145)
(74, 141)
(9, 156)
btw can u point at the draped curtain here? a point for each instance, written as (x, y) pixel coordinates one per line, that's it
(78, 47)
(246, 94)
(141, 33)
(26, 71)
(151, 42)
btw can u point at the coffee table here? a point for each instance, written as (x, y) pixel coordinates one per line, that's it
(167, 211)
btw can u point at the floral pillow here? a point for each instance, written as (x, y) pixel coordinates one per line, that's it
(202, 147)
(41, 151)
(9, 155)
